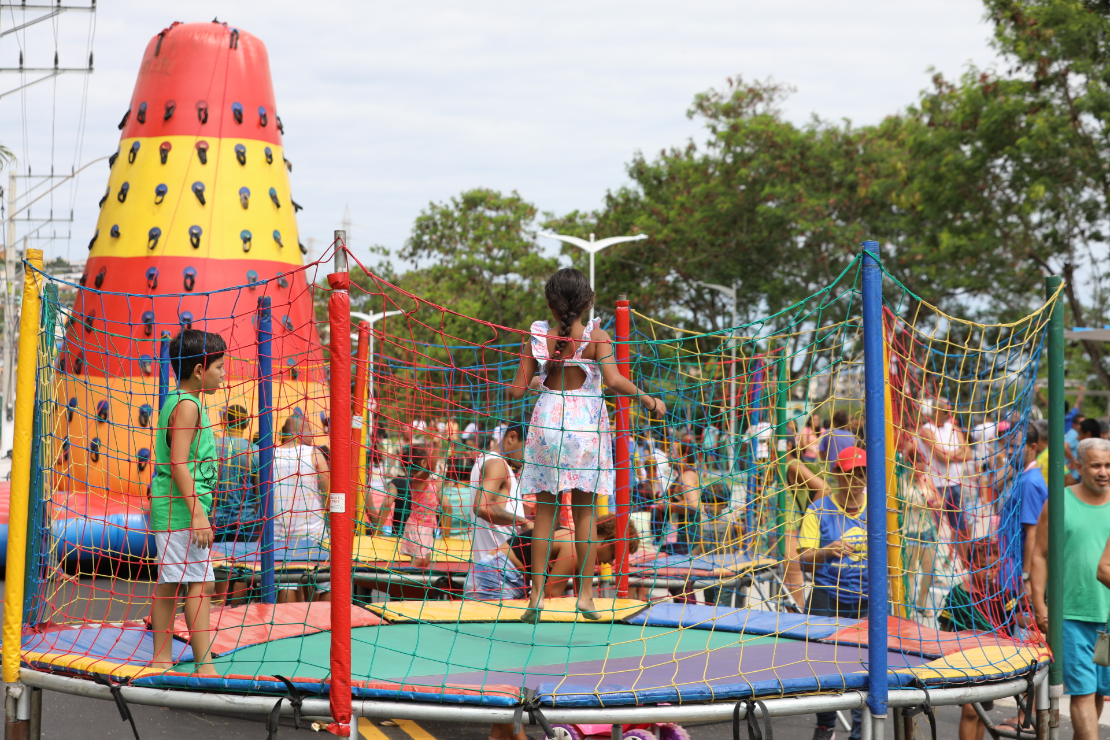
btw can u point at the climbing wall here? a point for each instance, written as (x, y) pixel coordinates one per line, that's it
(198, 201)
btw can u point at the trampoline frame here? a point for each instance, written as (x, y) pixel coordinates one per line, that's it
(484, 714)
(342, 710)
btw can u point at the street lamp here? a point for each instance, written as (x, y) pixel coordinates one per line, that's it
(734, 294)
(593, 248)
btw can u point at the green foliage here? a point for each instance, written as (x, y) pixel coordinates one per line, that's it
(476, 256)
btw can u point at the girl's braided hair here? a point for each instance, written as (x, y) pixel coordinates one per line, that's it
(569, 294)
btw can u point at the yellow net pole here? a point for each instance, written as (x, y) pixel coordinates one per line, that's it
(894, 533)
(21, 465)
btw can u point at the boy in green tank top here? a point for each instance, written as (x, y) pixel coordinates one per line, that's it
(186, 472)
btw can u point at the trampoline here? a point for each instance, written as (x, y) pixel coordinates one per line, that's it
(455, 653)
(401, 641)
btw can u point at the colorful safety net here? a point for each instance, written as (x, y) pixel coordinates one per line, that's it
(732, 556)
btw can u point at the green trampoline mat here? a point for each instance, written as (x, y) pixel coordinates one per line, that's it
(400, 651)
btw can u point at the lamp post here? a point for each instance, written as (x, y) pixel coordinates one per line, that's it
(593, 248)
(732, 293)
(371, 318)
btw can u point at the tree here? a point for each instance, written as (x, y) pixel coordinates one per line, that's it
(746, 205)
(476, 256)
(1014, 176)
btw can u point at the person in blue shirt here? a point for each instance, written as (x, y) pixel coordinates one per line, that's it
(1024, 504)
(1034, 493)
(833, 542)
(237, 515)
(837, 440)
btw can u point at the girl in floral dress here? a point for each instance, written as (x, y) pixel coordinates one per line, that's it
(568, 445)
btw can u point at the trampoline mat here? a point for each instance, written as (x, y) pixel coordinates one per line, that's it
(571, 664)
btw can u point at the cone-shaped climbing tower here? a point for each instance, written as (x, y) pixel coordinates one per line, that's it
(197, 206)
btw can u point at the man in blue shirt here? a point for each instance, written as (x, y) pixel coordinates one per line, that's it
(1034, 493)
(1020, 512)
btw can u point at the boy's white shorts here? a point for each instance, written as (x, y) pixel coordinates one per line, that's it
(181, 561)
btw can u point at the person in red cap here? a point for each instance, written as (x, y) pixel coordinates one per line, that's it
(833, 542)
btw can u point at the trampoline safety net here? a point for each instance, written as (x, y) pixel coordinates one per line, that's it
(730, 534)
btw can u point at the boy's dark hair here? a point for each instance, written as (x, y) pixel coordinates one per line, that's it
(194, 347)
(1032, 437)
(840, 418)
(517, 429)
(607, 532)
(1091, 427)
(236, 417)
(569, 294)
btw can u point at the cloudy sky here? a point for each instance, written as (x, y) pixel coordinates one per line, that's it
(388, 106)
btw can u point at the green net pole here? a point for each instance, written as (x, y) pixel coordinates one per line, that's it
(1055, 483)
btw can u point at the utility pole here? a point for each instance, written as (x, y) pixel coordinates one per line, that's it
(7, 371)
(10, 324)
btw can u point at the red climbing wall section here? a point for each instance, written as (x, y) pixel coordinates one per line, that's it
(198, 201)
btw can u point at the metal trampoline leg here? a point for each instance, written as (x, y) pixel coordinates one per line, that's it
(845, 718)
(17, 712)
(35, 730)
(1044, 710)
(874, 727)
(1055, 693)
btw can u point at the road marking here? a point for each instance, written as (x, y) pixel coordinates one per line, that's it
(369, 731)
(413, 730)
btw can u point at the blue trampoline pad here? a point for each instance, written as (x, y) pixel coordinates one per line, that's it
(730, 619)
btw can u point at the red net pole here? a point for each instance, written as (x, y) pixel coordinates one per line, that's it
(341, 493)
(622, 461)
(358, 459)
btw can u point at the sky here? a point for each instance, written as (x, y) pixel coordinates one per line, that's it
(390, 106)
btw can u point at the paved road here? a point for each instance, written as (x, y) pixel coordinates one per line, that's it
(66, 717)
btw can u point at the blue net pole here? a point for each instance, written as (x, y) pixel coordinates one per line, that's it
(266, 446)
(875, 420)
(163, 368)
